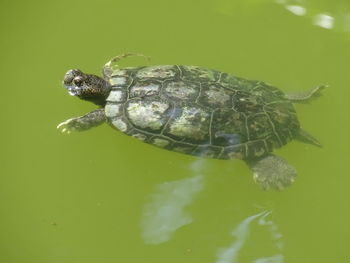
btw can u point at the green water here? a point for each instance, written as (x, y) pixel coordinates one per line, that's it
(100, 196)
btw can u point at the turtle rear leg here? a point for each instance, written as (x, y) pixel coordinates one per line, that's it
(82, 123)
(272, 172)
(305, 96)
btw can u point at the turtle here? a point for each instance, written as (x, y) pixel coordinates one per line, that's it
(196, 111)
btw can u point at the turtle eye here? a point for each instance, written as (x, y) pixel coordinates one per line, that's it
(70, 75)
(78, 81)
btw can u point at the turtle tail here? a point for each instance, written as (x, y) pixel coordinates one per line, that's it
(306, 137)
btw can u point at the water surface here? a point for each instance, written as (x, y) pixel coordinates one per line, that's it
(100, 196)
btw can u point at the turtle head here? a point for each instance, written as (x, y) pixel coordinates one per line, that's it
(86, 86)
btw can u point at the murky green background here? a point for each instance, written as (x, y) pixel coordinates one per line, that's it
(100, 196)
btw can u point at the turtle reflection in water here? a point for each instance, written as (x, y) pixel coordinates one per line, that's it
(196, 111)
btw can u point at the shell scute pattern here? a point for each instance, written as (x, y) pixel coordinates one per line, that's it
(157, 72)
(160, 142)
(191, 125)
(117, 96)
(181, 90)
(194, 73)
(228, 128)
(147, 114)
(259, 126)
(215, 96)
(200, 111)
(208, 151)
(144, 88)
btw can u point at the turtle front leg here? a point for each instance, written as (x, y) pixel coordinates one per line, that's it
(111, 65)
(272, 172)
(82, 123)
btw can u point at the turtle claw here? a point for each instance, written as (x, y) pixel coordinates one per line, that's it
(83, 123)
(272, 172)
(275, 182)
(67, 126)
(65, 130)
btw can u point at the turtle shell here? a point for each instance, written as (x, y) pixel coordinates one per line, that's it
(199, 111)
